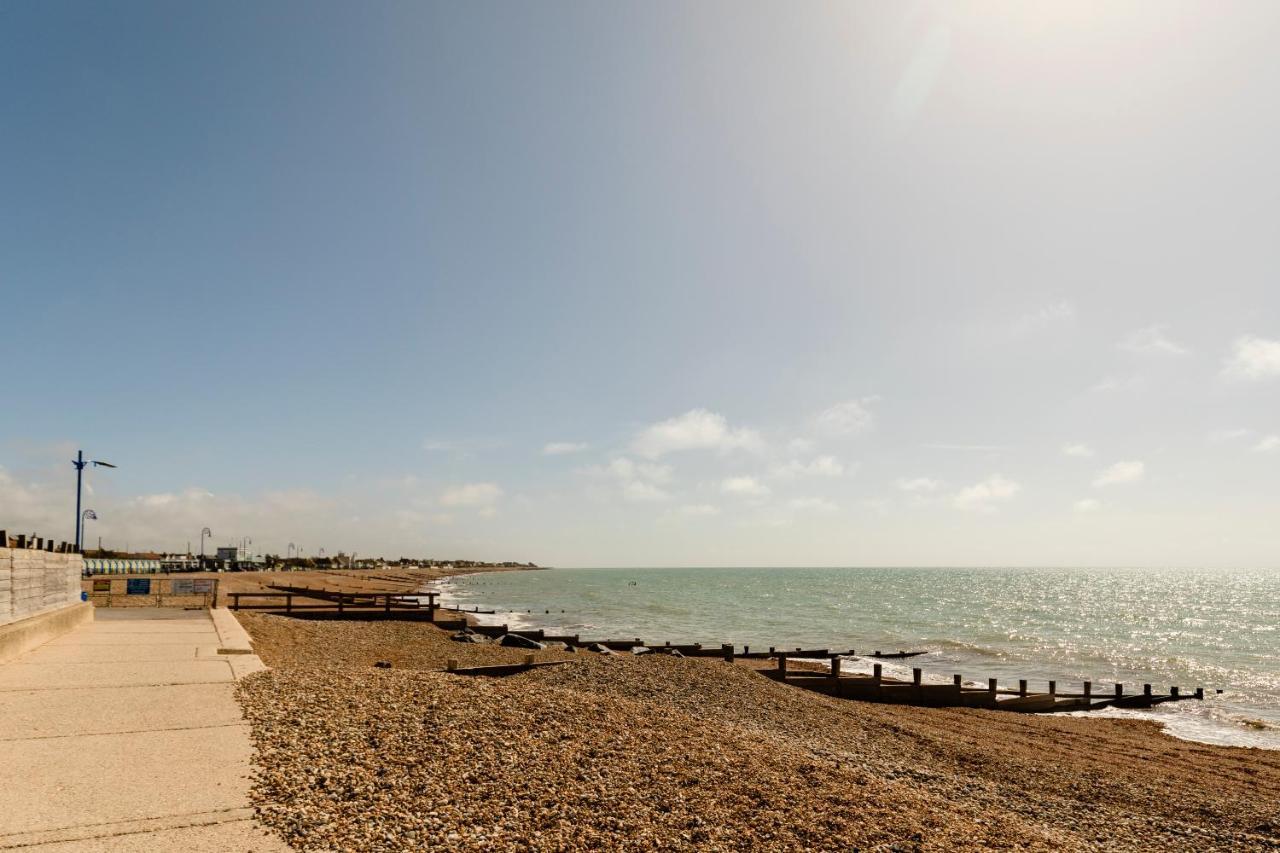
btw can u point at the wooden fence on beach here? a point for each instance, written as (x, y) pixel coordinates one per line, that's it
(303, 600)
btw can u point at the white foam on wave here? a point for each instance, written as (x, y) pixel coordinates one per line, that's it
(451, 597)
(1200, 721)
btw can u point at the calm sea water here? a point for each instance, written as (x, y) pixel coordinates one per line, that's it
(1193, 628)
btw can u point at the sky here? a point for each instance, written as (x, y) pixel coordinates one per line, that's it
(987, 283)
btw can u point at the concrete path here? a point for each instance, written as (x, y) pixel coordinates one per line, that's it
(124, 735)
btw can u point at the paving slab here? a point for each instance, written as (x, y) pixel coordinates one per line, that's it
(55, 676)
(100, 710)
(143, 652)
(146, 626)
(236, 835)
(184, 771)
(118, 638)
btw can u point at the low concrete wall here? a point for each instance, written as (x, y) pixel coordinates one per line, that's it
(26, 634)
(34, 581)
(39, 598)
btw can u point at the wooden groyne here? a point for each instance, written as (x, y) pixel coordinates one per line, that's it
(876, 687)
(830, 681)
(958, 694)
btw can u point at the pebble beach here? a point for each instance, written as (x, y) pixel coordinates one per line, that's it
(651, 752)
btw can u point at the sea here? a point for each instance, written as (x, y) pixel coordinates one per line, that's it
(1215, 629)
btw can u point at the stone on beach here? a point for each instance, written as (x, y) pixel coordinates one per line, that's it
(516, 641)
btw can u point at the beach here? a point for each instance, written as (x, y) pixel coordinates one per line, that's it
(650, 752)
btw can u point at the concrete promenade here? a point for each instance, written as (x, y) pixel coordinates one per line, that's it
(124, 735)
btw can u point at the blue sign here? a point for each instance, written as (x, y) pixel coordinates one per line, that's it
(138, 586)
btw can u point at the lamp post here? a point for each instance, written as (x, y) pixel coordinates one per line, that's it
(86, 516)
(80, 462)
(204, 531)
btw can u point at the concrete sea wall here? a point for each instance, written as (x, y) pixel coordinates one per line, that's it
(32, 582)
(39, 597)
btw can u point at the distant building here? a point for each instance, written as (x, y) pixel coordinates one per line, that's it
(228, 555)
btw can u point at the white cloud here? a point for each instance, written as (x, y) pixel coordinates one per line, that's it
(698, 429)
(1043, 318)
(983, 496)
(1082, 451)
(812, 505)
(744, 487)
(918, 485)
(1270, 444)
(1220, 436)
(471, 495)
(699, 510)
(1253, 358)
(637, 481)
(560, 448)
(1117, 383)
(848, 418)
(1121, 472)
(821, 466)
(641, 492)
(1086, 505)
(799, 446)
(1151, 341)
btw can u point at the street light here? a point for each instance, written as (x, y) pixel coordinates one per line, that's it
(80, 462)
(85, 516)
(204, 531)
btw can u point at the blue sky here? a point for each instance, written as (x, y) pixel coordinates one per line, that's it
(859, 283)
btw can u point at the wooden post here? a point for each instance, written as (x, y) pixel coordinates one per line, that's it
(1173, 691)
(835, 666)
(1022, 687)
(451, 664)
(782, 665)
(339, 603)
(528, 660)
(916, 673)
(746, 650)
(771, 651)
(1199, 692)
(1146, 690)
(728, 652)
(1088, 690)
(877, 654)
(1053, 688)
(235, 601)
(959, 682)
(1119, 689)
(991, 687)
(875, 674)
(387, 604)
(288, 602)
